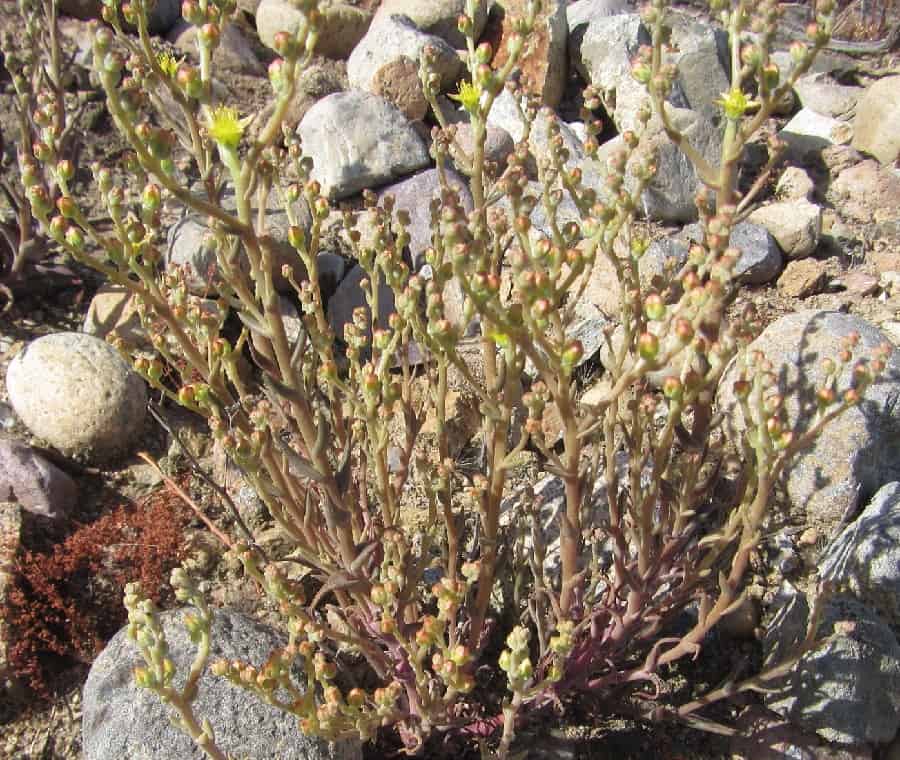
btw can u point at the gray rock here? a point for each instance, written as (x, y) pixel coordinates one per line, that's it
(349, 297)
(828, 487)
(811, 132)
(865, 556)
(391, 38)
(358, 140)
(580, 13)
(192, 246)
(670, 194)
(877, 124)
(760, 260)
(160, 19)
(438, 17)
(796, 225)
(498, 144)
(233, 53)
(341, 28)
(37, 485)
(821, 93)
(414, 196)
(78, 394)
(847, 690)
(603, 53)
(122, 721)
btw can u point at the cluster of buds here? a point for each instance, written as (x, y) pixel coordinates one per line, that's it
(515, 660)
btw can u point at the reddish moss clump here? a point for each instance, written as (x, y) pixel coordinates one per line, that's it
(66, 603)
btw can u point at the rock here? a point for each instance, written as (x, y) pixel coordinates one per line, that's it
(823, 94)
(765, 735)
(580, 13)
(877, 123)
(811, 132)
(192, 247)
(824, 486)
(358, 140)
(660, 261)
(10, 539)
(796, 225)
(670, 194)
(321, 78)
(867, 193)
(603, 53)
(741, 622)
(233, 53)
(414, 196)
(114, 313)
(349, 296)
(498, 144)
(803, 278)
(398, 83)
(78, 394)
(865, 556)
(342, 26)
(859, 283)
(437, 17)
(392, 38)
(543, 62)
(38, 486)
(847, 690)
(794, 184)
(160, 18)
(122, 721)
(760, 261)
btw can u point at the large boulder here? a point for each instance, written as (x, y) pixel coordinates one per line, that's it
(848, 688)
(78, 394)
(828, 488)
(122, 721)
(358, 141)
(865, 556)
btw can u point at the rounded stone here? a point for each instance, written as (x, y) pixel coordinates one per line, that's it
(78, 394)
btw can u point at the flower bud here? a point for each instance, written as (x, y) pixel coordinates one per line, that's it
(648, 346)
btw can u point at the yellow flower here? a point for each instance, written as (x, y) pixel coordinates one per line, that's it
(168, 64)
(225, 127)
(734, 103)
(469, 96)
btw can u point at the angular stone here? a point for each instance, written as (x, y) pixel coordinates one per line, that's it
(865, 557)
(121, 720)
(414, 196)
(113, 312)
(357, 141)
(796, 225)
(160, 18)
(821, 93)
(78, 394)
(398, 83)
(811, 132)
(543, 62)
(760, 260)
(38, 486)
(794, 184)
(867, 192)
(802, 278)
(233, 53)
(349, 297)
(877, 123)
